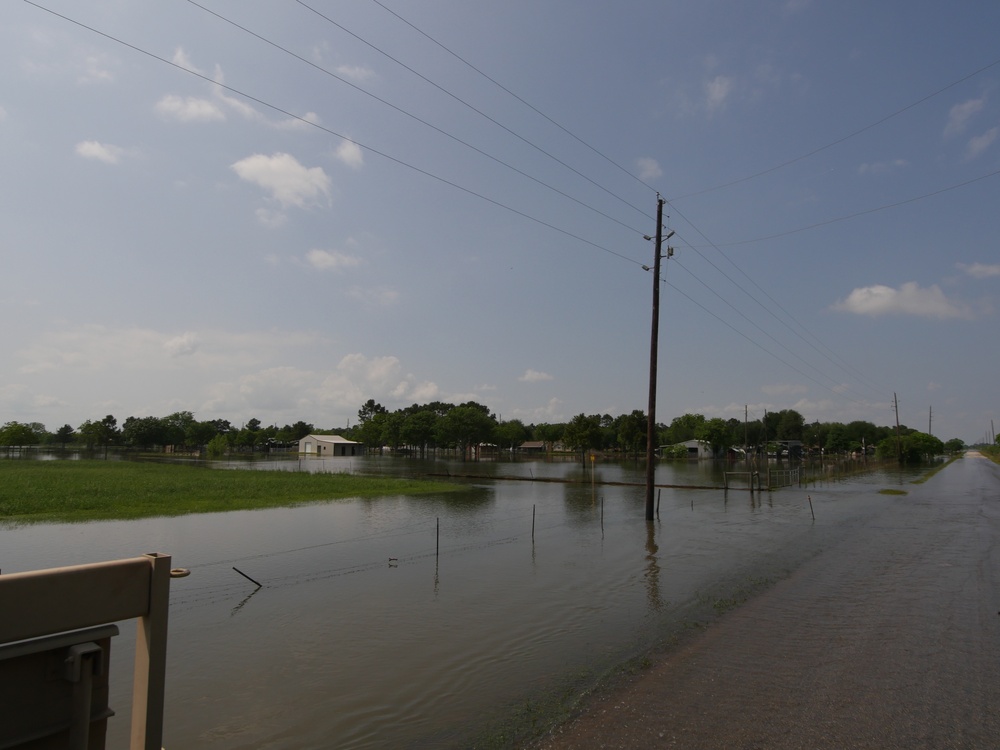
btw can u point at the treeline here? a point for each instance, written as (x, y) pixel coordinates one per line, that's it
(419, 428)
(468, 426)
(180, 430)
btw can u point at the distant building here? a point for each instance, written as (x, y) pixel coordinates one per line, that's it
(532, 446)
(330, 445)
(698, 449)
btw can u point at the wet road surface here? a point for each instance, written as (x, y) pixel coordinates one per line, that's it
(888, 638)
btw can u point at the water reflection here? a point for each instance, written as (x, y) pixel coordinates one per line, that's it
(393, 622)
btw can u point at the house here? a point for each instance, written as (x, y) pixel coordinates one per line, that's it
(330, 445)
(698, 449)
(532, 446)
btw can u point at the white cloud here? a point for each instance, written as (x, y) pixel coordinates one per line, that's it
(980, 270)
(960, 114)
(288, 181)
(96, 70)
(182, 60)
(188, 109)
(105, 152)
(909, 299)
(3, 114)
(181, 346)
(534, 376)
(331, 260)
(350, 154)
(883, 167)
(980, 143)
(649, 169)
(356, 73)
(717, 91)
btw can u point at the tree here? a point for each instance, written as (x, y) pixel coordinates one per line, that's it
(715, 432)
(198, 434)
(64, 435)
(684, 427)
(511, 434)
(955, 445)
(418, 428)
(18, 433)
(914, 447)
(467, 426)
(583, 432)
(631, 432)
(789, 425)
(144, 432)
(549, 433)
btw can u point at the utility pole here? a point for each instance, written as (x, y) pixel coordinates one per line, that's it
(899, 446)
(653, 341)
(930, 419)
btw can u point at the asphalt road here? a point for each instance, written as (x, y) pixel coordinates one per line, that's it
(889, 638)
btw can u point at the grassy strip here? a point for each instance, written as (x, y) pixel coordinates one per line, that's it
(934, 471)
(69, 491)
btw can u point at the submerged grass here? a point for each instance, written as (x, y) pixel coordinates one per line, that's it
(69, 491)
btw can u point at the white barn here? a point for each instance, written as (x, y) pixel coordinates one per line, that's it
(330, 445)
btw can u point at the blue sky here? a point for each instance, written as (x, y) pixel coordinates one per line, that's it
(281, 209)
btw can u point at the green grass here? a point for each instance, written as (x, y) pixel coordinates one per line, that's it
(68, 491)
(892, 492)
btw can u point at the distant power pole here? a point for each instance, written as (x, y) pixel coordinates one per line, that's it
(930, 419)
(899, 447)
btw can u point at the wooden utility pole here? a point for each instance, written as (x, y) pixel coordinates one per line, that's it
(899, 445)
(930, 419)
(653, 341)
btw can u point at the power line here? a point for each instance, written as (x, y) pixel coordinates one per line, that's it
(841, 139)
(527, 104)
(866, 212)
(325, 129)
(413, 116)
(473, 108)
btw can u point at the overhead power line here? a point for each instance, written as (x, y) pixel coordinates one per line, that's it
(506, 90)
(310, 123)
(412, 116)
(479, 112)
(840, 140)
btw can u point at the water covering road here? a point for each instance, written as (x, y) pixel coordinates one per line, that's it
(889, 638)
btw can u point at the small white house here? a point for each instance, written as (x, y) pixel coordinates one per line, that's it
(698, 449)
(330, 445)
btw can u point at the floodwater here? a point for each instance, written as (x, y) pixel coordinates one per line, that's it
(421, 622)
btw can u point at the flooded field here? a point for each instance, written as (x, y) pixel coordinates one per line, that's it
(425, 622)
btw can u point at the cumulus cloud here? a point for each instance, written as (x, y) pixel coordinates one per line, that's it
(960, 114)
(717, 91)
(289, 182)
(909, 299)
(331, 260)
(534, 376)
(188, 109)
(980, 270)
(980, 143)
(350, 153)
(649, 169)
(181, 346)
(105, 152)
